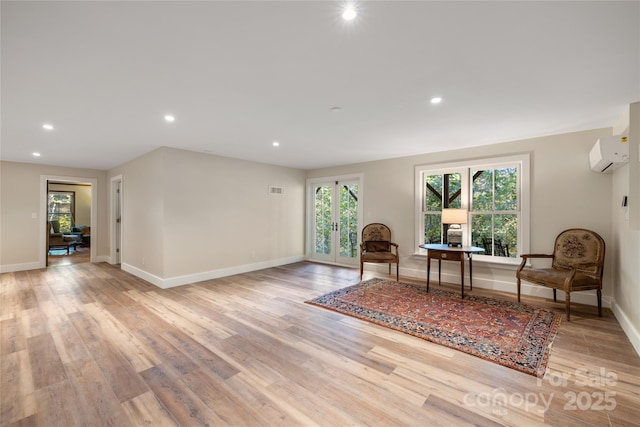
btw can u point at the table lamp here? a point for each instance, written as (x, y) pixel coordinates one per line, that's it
(454, 217)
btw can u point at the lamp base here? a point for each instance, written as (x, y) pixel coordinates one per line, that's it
(454, 236)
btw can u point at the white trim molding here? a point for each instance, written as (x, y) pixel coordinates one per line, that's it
(627, 326)
(113, 229)
(172, 282)
(10, 268)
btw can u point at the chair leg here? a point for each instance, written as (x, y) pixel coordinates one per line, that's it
(599, 302)
(518, 289)
(389, 269)
(397, 271)
(361, 270)
(567, 301)
(554, 296)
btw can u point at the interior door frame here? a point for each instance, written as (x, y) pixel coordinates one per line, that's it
(44, 195)
(115, 215)
(359, 177)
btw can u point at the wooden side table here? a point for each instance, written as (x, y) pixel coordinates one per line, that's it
(443, 252)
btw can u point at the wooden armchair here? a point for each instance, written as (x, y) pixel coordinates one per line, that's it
(577, 264)
(376, 246)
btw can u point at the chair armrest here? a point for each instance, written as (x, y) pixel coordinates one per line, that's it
(536, 255)
(525, 257)
(395, 245)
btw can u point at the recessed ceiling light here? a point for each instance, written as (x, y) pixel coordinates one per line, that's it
(35, 154)
(47, 126)
(169, 118)
(436, 100)
(349, 13)
(276, 144)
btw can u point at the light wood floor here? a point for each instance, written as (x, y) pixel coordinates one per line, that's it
(76, 256)
(91, 345)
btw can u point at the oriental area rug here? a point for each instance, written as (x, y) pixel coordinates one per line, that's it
(514, 335)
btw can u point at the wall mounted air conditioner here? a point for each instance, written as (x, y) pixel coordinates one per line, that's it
(609, 153)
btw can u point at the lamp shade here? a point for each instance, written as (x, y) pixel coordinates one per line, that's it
(454, 216)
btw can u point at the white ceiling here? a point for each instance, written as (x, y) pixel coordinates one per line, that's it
(239, 75)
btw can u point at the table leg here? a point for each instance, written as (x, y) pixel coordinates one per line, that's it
(428, 270)
(462, 277)
(470, 271)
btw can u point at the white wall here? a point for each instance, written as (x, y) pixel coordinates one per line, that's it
(564, 194)
(20, 190)
(143, 227)
(190, 216)
(626, 255)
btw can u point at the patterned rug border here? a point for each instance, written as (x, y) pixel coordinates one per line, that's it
(540, 318)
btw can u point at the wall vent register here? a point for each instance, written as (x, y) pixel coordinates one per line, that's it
(276, 191)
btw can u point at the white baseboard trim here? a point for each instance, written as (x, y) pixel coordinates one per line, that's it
(207, 275)
(627, 326)
(586, 297)
(144, 275)
(103, 258)
(9, 268)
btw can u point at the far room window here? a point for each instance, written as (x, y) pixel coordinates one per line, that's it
(494, 191)
(61, 207)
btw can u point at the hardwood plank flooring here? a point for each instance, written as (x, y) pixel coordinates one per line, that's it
(89, 345)
(57, 257)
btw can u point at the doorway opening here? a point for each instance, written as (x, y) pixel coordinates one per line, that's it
(69, 209)
(69, 219)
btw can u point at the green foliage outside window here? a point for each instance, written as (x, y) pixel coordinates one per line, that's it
(494, 221)
(432, 228)
(348, 220)
(61, 208)
(440, 191)
(323, 220)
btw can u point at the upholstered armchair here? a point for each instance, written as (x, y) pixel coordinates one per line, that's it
(577, 264)
(56, 239)
(376, 246)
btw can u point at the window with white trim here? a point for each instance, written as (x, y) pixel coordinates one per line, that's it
(61, 207)
(495, 192)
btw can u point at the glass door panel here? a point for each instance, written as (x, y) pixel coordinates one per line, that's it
(335, 222)
(348, 222)
(323, 230)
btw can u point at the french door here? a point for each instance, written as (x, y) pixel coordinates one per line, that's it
(335, 221)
